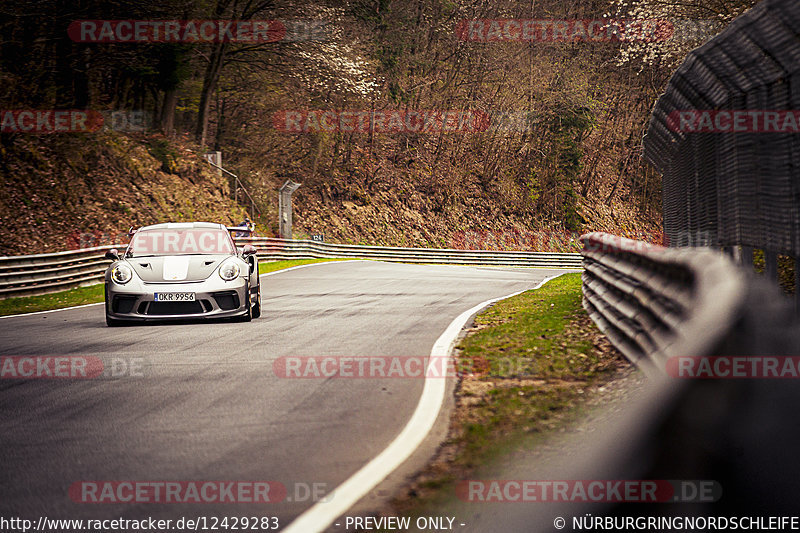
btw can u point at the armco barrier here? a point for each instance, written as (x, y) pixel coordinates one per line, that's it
(654, 303)
(27, 275)
(300, 249)
(661, 307)
(658, 306)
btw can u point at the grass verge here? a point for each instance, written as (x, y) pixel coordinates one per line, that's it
(58, 300)
(264, 267)
(94, 293)
(528, 365)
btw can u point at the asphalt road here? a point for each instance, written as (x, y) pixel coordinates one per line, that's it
(203, 401)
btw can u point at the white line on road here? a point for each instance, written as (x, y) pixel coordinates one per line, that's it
(322, 514)
(52, 310)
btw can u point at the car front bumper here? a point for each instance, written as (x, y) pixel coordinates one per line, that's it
(214, 298)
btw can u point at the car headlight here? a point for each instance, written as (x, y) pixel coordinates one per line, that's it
(121, 274)
(229, 270)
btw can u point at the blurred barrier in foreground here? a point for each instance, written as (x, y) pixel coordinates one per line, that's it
(720, 345)
(26, 275)
(733, 423)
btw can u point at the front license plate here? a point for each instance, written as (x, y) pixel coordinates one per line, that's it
(173, 297)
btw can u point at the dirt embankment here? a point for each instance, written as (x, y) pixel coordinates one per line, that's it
(65, 192)
(71, 191)
(397, 213)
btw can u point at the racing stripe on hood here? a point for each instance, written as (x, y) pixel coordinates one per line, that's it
(176, 268)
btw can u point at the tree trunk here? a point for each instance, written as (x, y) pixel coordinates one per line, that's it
(168, 112)
(209, 84)
(220, 125)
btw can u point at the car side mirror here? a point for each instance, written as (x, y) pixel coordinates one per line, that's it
(112, 254)
(249, 249)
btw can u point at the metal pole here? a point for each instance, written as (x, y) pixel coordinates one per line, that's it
(747, 257)
(771, 265)
(285, 208)
(796, 285)
(236, 185)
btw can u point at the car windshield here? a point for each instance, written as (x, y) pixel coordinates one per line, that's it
(185, 241)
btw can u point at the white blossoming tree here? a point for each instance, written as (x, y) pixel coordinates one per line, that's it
(688, 24)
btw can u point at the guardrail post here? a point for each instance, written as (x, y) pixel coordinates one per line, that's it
(285, 208)
(215, 158)
(747, 257)
(771, 265)
(796, 285)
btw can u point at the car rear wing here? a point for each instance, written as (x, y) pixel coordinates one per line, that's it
(241, 231)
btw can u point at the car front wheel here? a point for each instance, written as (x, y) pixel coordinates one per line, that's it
(257, 306)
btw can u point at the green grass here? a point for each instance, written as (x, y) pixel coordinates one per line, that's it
(94, 293)
(264, 267)
(533, 351)
(57, 300)
(527, 365)
(525, 336)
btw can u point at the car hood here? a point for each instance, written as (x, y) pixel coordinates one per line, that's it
(175, 268)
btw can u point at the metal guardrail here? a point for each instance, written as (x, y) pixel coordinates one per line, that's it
(27, 275)
(737, 190)
(654, 303)
(237, 184)
(657, 303)
(303, 249)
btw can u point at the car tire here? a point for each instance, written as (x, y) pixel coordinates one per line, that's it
(257, 307)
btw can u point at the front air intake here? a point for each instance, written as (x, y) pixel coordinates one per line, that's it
(227, 300)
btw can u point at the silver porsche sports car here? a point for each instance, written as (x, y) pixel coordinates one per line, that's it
(181, 271)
